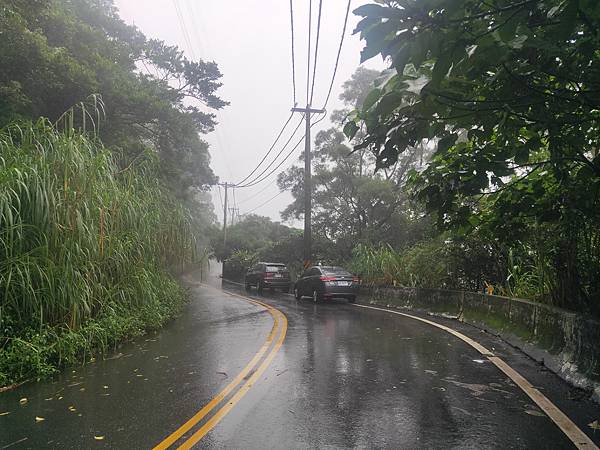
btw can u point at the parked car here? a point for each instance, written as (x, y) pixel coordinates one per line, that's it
(268, 275)
(325, 282)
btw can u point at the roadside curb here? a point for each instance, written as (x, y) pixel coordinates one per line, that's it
(577, 436)
(540, 356)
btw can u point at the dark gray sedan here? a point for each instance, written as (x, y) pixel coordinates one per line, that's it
(325, 282)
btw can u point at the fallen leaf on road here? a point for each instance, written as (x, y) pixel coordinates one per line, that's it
(39, 419)
(99, 438)
(594, 425)
(431, 372)
(82, 389)
(479, 361)
(23, 401)
(105, 387)
(222, 373)
(72, 408)
(535, 412)
(5, 413)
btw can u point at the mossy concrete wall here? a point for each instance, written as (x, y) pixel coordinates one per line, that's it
(566, 342)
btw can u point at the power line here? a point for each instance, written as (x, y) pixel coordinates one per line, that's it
(270, 149)
(337, 59)
(255, 194)
(312, 89)
(293, 56)
(256, 181)
(263, 204)
(253, 181)
(278, 165)
(183, 27)
(286, 157)
(308, 52)
(196, 29)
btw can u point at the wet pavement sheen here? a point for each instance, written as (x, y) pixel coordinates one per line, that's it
(345, 377)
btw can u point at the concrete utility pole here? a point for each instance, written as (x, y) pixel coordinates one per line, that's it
(307, 184)
(226, 185)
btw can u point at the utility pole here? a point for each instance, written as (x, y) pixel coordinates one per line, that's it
(307, 184)
(226, 185)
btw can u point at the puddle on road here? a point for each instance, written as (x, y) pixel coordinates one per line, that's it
(478, 389)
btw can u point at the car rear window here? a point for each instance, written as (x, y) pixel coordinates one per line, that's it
(276, 268)
(340, 272)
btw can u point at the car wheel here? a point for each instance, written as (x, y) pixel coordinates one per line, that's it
(351, 299)
(315, 296)
(297, 294)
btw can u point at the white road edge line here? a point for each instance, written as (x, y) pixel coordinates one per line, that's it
(572, 431)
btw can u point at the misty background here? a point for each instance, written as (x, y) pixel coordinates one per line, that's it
(251, 43)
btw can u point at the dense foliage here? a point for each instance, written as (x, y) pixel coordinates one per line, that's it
(105, 194)
(509, 92)
(256, 238)
(352, 202)
(56, 53)
(82, 242)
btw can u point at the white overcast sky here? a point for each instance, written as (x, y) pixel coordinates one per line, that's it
(250, 40)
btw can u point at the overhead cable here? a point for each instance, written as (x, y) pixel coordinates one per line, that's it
(254, 180)
(269, 151)
(257, 181)
(263, 204)
(293, 53)
(337, 59)
(312, 89)
(308, 51)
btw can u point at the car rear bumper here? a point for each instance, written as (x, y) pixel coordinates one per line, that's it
(277, 283)
(340, 291)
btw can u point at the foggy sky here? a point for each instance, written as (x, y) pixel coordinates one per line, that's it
(250, 40)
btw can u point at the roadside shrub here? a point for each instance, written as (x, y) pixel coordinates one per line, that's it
(84, 249)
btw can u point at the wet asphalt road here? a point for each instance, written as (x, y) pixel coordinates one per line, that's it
(345, 377)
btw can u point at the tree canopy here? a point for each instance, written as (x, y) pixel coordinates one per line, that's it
(509, 91)
(56, 54)
(351, 201)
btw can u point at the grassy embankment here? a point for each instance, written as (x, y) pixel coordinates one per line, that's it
(85, 249)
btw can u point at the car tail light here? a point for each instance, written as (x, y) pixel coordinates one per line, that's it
(355, 280)
(269, 274)
(328, 278)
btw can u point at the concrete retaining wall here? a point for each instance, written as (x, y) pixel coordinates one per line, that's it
(567, 343)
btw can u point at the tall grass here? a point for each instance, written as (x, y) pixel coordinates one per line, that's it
(81, 239)
(377, 265)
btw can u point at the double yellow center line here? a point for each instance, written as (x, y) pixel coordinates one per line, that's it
(251, 373)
